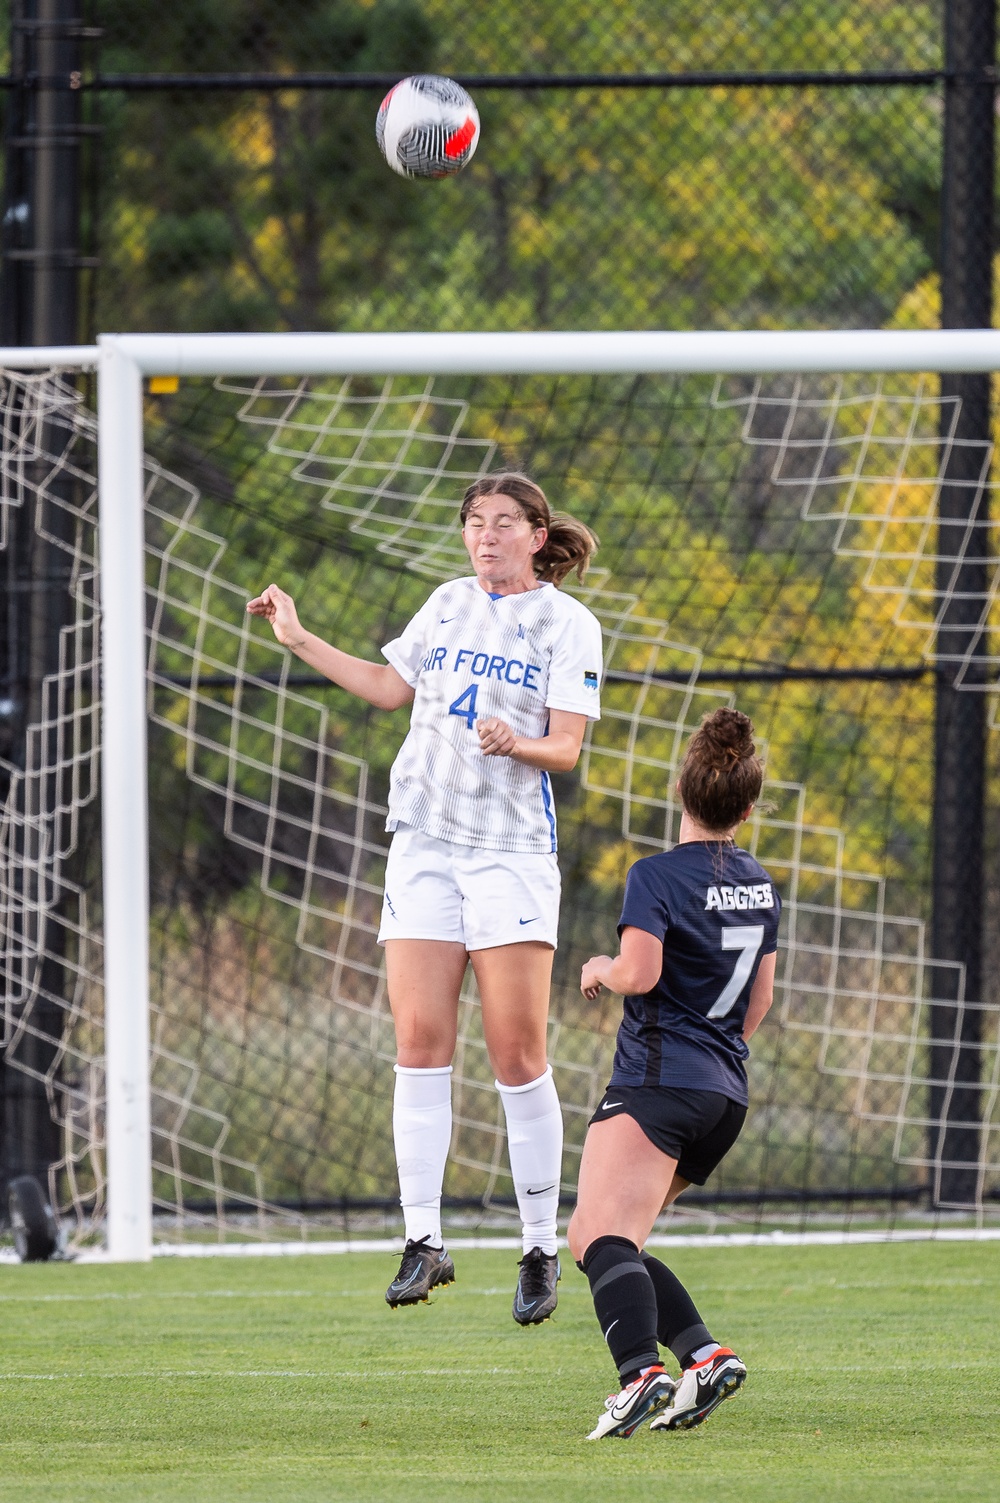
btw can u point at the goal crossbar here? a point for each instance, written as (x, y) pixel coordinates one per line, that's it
(708, 352)
(122, 361)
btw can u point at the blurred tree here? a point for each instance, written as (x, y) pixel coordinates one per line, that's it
(583, 208)
(250, 210)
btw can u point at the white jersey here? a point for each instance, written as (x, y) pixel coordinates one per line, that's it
(469, 656)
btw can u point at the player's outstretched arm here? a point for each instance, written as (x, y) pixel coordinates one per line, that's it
(558, 751)
(378, 683)
(633, 973)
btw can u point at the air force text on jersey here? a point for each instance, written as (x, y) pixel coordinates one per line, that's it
(469, 656)
(740, 898)
(484, 665)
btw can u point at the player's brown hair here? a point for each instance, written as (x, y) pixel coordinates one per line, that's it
(721, 774)
(570, 544)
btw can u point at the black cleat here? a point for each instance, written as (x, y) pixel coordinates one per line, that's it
(701, 1389)
(535, 1297)
(422, 1269)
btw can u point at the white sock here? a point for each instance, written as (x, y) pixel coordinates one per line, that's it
(534, 1143)
(708, 1350)
(421, 1130)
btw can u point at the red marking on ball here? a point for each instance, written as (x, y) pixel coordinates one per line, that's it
(461, 139)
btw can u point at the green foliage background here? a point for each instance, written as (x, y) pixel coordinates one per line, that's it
(583, 208)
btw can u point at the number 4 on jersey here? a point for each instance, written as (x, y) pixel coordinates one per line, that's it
(748, 939)
(465, 707)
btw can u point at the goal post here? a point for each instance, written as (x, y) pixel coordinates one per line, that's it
(125, 864)
(709, 352)
(123, 363)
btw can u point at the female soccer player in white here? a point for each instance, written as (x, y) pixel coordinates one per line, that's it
(502, 671)
(699, 932)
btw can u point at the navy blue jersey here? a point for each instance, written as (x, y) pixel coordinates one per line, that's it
(716, 910)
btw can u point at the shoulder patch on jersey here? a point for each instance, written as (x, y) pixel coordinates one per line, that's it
(740, 898)
(590, 679)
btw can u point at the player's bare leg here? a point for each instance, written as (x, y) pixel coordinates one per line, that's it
(614, 1216)
(609, 1202)
(677, 1187)
(424, 979)
(514, 983)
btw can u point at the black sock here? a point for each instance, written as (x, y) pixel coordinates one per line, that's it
(625, 1303)
(678, 1324)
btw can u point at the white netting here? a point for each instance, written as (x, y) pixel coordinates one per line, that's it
(272, 1042)
(871, 461)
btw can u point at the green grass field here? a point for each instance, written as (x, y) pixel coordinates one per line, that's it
(873, 1375)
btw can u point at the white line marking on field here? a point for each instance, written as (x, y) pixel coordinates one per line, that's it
(827, 1239)
(255, 1372)
(466, 1291)
(509, 1244)
(666, 1239)
(172, 1375)
(298, 1249)
(114, 1294)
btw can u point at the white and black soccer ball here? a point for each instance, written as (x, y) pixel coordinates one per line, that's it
(427, 127)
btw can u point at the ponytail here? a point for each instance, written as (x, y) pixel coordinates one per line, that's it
(569, 545)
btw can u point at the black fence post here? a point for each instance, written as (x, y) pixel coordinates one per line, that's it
(40, 267)
(960, 713)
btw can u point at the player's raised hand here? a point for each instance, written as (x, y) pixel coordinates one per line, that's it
(496, 739)
(278, 609)
(592, 973)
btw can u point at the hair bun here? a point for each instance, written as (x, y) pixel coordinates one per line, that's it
(729, 734)
(721, 775)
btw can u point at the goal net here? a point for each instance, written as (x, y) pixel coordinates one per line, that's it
(767, 541)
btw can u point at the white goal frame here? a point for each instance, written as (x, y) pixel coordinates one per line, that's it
(122, 362)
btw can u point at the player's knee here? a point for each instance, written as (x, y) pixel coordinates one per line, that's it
(576, 1237)
(584, 1229)
(424, 1054)
(515, 1065)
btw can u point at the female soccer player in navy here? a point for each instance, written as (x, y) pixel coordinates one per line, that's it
(699, 932)
(502, 671)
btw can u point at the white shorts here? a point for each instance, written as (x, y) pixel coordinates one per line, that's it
(435, 889)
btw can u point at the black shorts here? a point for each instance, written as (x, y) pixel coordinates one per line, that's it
(697, 1128)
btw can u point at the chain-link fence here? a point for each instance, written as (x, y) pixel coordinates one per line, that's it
(641, 166)
(586, 206)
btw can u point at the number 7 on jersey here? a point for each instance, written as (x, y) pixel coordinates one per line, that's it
(747, 938)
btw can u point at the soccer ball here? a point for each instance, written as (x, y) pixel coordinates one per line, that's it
(427, 127)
